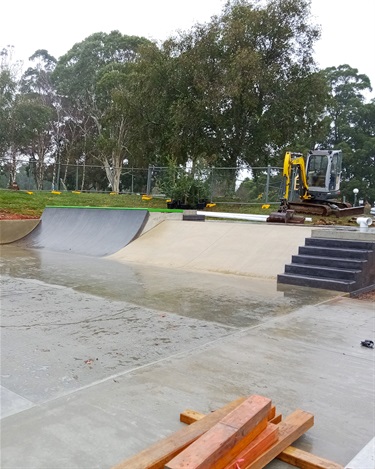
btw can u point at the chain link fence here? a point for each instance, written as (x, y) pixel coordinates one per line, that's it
(229, 185)
(225, 185)
(69, 177)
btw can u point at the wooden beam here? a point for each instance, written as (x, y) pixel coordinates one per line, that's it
(158, 454)
(219, 445)
(261, 443)
(277, 419)
(304, 460)
(290, 429)
(272, 413)
(190, 416)
(291, 455)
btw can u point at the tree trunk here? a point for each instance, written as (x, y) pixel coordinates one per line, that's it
(39, 174)
(13, 169)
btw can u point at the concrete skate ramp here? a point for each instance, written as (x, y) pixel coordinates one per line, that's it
(88, 231)
(257, 250)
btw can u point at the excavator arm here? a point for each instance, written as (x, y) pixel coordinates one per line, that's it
(292, 161)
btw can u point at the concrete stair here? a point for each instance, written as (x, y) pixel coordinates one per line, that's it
(332, 264)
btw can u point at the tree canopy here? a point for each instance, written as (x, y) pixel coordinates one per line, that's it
(239, 89)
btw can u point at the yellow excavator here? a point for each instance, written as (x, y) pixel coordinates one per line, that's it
(312, 187)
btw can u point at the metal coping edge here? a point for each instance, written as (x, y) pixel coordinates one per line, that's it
(162, 210)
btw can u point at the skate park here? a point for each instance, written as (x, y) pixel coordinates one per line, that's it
(107, 338)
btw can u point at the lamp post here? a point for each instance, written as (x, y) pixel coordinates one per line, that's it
(355, 192)
(126, 163)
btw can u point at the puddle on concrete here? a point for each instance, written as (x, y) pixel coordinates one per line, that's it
(231, 300)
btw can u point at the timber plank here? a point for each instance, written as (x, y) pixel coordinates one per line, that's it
(304, 460)
(290, 429)
(223, 441)
(298, 463)
(277, 419)
(272, 413)
(190, 416)
(261, 443)
(158, 454)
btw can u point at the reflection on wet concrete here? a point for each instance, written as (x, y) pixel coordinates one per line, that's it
(56, 340)
(69, 321)
(227, 299)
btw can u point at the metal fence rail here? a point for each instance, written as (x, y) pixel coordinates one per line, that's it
(225, 185)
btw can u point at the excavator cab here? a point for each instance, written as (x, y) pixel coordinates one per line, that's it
(323, 174)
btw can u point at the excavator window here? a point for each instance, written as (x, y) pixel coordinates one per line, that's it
(334, 181)
(317, 170)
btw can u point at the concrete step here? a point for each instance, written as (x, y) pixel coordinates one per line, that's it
(339, 263)
(322, 272)
(317, 282)
(342, 253)
(340, 243)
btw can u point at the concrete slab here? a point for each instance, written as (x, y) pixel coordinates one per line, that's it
(298, 367)
(169, 339)
(11, 403)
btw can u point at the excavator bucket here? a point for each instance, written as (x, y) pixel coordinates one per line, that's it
(285, 216)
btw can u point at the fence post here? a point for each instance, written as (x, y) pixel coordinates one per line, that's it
(77, 176)
(149, 176)
(268, 182)
(212, 185)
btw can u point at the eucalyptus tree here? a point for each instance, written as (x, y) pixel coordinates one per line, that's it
(9, 70)
(245, 84)
(352, 128)
(31, 120)
(24, 118)
(38, 90)
(8, 151)
(24, 122)
(89, 76)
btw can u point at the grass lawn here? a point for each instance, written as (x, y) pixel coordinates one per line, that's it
(32, 204)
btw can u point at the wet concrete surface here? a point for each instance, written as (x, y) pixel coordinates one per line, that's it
(237, 301)
(98, 358)
(56, 340)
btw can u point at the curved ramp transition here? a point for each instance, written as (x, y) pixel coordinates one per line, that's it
(88, 231)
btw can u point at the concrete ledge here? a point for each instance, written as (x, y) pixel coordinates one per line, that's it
(355, 233)
(13, 230)
(155, 218)
(365, 459)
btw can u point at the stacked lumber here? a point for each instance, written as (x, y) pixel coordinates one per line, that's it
(245, 434)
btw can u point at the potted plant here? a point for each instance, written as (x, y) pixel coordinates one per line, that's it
(186, 189)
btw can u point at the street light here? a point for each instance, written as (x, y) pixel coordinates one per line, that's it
(355, 192)
(126, 163)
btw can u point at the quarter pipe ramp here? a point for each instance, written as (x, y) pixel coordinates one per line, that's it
(88, 231)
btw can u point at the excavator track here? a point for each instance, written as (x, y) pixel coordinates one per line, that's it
(310, 209)
(342, 210)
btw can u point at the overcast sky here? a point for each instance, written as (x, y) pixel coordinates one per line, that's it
(348, 33)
